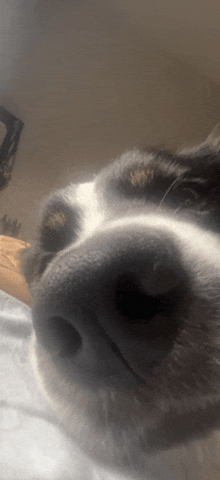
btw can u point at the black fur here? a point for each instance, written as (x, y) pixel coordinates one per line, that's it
(127, 318)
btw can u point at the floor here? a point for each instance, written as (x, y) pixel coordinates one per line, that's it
(88, 84)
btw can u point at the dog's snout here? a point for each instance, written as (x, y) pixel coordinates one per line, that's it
(102, 298)
(125, 283)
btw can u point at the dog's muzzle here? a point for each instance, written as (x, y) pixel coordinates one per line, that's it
(112, 306)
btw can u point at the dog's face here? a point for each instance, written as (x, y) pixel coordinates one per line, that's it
(125, 279)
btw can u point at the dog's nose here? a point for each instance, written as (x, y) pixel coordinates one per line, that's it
(113, 303)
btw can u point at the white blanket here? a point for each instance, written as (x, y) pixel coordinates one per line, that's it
(32, 445)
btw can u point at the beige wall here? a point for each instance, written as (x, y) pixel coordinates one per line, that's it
(88, 84)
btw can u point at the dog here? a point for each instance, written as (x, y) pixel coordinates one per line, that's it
(125, 280)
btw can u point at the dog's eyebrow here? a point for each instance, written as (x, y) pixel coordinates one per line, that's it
(56, 219)
(61, 218)
(139, 169)
(141, 176)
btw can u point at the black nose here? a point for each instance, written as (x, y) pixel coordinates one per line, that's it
(113, 305)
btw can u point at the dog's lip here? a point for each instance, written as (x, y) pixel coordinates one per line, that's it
(131, 369)
(142, 369)
(60, 348)
(141, 373)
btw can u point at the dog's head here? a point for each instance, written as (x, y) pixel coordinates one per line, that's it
(125, 279)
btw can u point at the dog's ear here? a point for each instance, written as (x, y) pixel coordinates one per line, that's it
(212, 144)
(213, 139)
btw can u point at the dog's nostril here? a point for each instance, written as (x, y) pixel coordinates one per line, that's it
(63, 338)
(155, 312)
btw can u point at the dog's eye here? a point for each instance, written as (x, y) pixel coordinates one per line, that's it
(187, 197)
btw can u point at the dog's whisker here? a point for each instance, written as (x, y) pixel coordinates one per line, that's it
(167, 192)
(177, 210)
